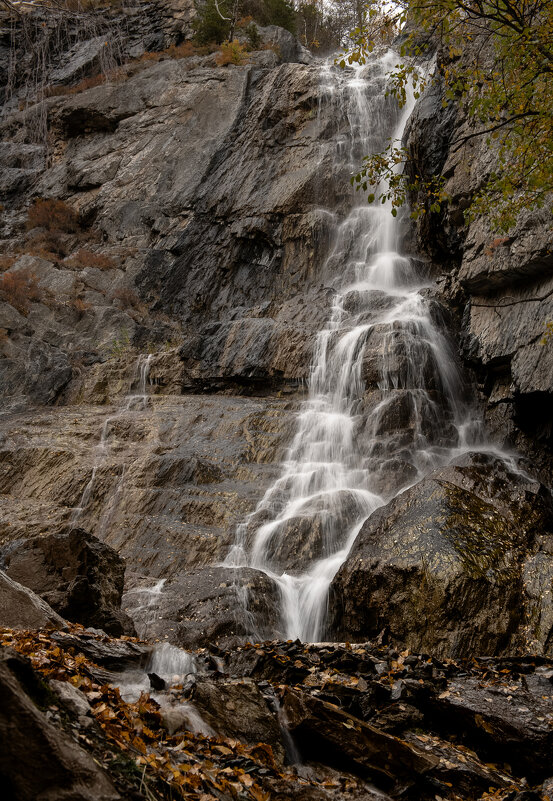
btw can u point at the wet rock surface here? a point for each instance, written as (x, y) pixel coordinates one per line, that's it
(76, 574)
(236, 708)
(171, 483)
(284, 719)
(442, 567)
(498, 283)
(114, 655)
(212, 605)
(320, 725)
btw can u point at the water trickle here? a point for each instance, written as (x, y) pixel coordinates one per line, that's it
(173, 666)
(133, 402)
(142, 604)
(293, 756)
(171, 663)
(168, 662)
(386, 402)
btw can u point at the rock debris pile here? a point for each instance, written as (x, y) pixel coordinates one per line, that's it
(283, 720)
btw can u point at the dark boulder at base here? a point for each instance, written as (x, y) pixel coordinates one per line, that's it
(320, 728)
(507, 723)
(213, 606)
(37, 759)
(236, 708)
(448, 567)
(79, 576)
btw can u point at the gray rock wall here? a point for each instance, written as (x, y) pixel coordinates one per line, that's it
(203, 186)
(498, 283)
(200, 239)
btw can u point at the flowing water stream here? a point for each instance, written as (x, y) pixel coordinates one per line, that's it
(386, 403)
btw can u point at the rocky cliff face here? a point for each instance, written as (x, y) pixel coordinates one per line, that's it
(197, 245)
(499, 284)
(151, 373)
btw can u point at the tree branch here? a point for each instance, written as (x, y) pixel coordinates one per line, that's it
(464, 139)
(226, 19)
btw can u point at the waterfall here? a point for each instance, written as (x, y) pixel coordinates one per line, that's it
(386, 401)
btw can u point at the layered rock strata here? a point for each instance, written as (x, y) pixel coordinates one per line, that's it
(199, 240)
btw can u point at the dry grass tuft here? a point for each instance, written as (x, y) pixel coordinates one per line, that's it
(80, 306)
(53, 215)
(49, 245)
(127, 298)
(183, 50)
(114, 76)
(6, 262)
(87, 258)
(20, 289)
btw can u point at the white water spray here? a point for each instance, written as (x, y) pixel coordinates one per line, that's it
(386, 400)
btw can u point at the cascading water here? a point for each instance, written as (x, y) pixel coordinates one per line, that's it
(142, 603)
(386, 401)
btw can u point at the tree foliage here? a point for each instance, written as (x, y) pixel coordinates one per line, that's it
(321, 26)
(212, 22)
(495, 58)
(324, 26)
(217, 20)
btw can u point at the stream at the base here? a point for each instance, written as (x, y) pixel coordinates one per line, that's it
(387, 403)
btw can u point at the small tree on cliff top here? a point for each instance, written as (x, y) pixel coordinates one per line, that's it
(495, 58)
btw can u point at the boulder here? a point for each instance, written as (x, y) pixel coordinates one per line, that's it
(324, 732)
(237, 709)
(113, 655)
(72, 698)
(21, 608)
(288, 47)
(458, 767)
(38, 760)
(213, 606)
(42, 376)
(83, 58)
(440, 568)
(506, 723)
(79, 576)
